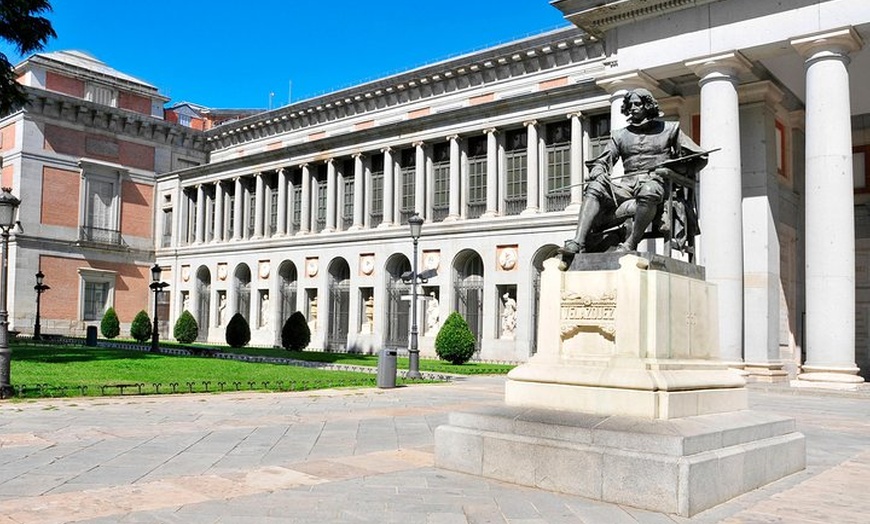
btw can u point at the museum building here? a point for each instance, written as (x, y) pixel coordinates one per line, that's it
(306, 207)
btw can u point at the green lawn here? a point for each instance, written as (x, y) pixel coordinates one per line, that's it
(55, 370)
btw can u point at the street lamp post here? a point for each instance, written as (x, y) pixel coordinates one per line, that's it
(416, 223)
(8, 208)
(40, 289)
(156, 286)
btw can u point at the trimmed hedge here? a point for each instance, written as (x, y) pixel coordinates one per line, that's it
(295, 334)
(140, 329)
(238, 332)
(110, 326)
(455, 341)
(186, 330)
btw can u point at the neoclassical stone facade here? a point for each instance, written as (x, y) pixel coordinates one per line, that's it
(305, 208)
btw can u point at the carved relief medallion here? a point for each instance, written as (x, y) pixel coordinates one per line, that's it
(507, 258)
(311, 267)
(367, 264)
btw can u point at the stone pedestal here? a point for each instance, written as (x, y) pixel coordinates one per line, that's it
(626, 400)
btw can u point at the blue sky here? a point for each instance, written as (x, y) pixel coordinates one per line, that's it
(230, 54)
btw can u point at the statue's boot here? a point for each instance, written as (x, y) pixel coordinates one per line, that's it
(589, 209)
(644, 213)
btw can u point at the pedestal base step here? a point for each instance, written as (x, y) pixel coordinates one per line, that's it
(680, 466)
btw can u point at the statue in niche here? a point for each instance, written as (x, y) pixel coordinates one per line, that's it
(312, 312)
(185, 301)
(616, 211)
(508, 316)
(264, 309)
(222, 308)
(369, 314)
(433, 313)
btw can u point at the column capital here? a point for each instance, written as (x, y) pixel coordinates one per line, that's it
(329, 160)
(418, 143)
(280, 171)
(358, 154)
(725, 65)
(387, 149)
(838, 42)
(490, 131)
(452, 137)
(578, 114)
(529, 123)
(616, 85)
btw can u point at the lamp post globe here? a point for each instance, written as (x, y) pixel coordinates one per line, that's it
(8, 212)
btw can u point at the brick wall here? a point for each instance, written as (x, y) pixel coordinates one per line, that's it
(62, 301)
(136, 201)
(78, 143)
(134, 102)
(7, 137)
(64, 84)
(60, 197)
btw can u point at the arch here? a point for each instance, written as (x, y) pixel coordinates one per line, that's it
(338, 304)
(288, 283)
(468, 290)
(203, 302)
(242, 290)
(398, 325)
(543, 253)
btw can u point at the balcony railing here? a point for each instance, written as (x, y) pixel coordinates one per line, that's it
(100, 236)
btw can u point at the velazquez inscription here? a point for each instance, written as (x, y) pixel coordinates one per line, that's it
(588, 313)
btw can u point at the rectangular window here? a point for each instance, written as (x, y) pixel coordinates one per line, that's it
(96, 291)
(476, 195)
(273, 211)
(407, 176)
(516, 169)
(860, 168)
(320, 218)
(599, 133)
(780, 150)
(102, 95)
(376, 204)
(295, 211)
(166, 237)
(231, 215)
(558, 143)
(102, 206)
(252, 213)
(347, 203)
(440, 182)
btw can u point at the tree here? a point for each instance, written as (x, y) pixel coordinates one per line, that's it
(455, 341)
(185, 330)
(22, 26)
(110, 326)
(295, 335)
(238, 332)
(140, 329)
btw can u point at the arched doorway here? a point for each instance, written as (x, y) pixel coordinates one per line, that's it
(398, 325)
(339, 305)
(468, 290)
(243, 291)
(203, 302)
(287, 285)
(544, 253)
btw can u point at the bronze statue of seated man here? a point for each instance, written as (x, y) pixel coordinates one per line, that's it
(616, 211)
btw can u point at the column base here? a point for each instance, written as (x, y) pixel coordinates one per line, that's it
(767, 373)
(530, 211)
(828, 380)
(452, 218)
(489, 214)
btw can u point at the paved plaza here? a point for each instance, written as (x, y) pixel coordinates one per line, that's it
(355, 456)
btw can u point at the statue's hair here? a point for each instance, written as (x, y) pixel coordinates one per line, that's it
(649, 102)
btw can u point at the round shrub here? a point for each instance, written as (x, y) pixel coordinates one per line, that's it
(295, 335)
(238, 332)
(140, 329)
(110, 326)
(186, 330)
(455, 341)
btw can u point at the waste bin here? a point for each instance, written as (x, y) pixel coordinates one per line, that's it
(91, 339)
(387, 368)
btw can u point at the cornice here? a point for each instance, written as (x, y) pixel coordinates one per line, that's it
(598, 16)
(532, 55)
(56, 106)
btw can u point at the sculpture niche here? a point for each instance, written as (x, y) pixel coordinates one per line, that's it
(657, 189)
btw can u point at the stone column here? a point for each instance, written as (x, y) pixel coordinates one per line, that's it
(200, 214)
(721, 195)
(455, 158)
(330, 196)
(259, 188)
(358, 196)
(576, 161)
(389, 190)
(430, 182)
(218, 227)
(305, 211)
(830, 214)
(533, 164)
(238, 200)
(419, 179)
(761, 258)
(491, 173)
(281, 228)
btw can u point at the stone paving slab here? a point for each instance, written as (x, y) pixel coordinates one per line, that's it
(354, 456)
